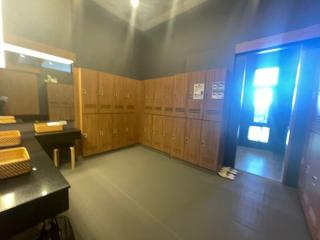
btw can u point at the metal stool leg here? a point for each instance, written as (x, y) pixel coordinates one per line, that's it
(73, 157)
(56, 157)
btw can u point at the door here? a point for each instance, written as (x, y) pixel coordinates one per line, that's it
(192, 141)
(158, 96)
(118, 129)
(119, 95)
(147, 129)
(168, 84)
(214, 95)
(130, 95)
(131, 128)
(148, 95)
(157, 132)
(167, 134)
(91, 134)
(210, 144)
(105, 126)
(267, 99)
(196, 86)
(106, 92)
(178, 135)
(180, 95)
(89, 87)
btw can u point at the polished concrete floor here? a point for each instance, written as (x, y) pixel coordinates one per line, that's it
(259, 162)
(141, 194)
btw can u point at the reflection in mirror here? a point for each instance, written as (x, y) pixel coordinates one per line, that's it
(35, 89)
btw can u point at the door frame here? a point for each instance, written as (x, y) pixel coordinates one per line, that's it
(234, 92)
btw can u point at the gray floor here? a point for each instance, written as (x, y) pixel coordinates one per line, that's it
(259, 162)
(137, 193)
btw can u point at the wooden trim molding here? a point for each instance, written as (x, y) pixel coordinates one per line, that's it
(26, 43)
(279, 39)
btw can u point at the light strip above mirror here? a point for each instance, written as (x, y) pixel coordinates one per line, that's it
(25, 51)
(2, 58)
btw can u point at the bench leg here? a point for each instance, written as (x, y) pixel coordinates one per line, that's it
(73, 157)
(56, 157)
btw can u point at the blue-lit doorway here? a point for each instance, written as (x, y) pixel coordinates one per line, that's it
(266, 103)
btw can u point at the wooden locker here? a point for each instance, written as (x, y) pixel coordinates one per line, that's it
(53, 93)
(149, 89)
(106, 92)
(192, 141)
(147, 129)
(131, 129)
(119, 95)
(178, 135)
(168, 84)
(196, 87)
(214, 95)
(210, 145)
(89, 88)
(157, 134)
(158, 96)
(91, 134)
(105, 126)
(180, 90)
(167, 134)
(118, 130)
(130, 100)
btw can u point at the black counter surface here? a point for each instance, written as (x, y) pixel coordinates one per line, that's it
(29, 199)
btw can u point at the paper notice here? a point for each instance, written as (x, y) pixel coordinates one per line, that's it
(198, 91)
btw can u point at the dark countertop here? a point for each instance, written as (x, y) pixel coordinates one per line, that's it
(44, 180)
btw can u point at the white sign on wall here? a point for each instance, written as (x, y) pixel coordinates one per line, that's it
(198, 91)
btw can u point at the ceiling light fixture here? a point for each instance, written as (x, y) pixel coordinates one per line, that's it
(135, 3)
(33, 53)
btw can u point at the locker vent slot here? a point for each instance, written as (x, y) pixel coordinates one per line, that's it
(106, 106)
(179, 110)
(194, 110)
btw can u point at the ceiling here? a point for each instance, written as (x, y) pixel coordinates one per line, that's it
(150, 13)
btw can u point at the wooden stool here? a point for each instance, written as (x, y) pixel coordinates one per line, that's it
(56, 159)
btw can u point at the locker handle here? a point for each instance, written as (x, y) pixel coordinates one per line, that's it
(84, 91)
(203, 142)
(102, 133)
(314, 178)
(85, 135)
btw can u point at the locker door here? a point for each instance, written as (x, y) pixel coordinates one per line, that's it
(196, 86)
(130, 95)
(89, 86)
(168, 84)
(179, 95)
(149, 95)
(118, 129)
(214, 95)
(167, 134)
(192, 141)
(157, 132)
(178, 135)
(158, 96)
(105, 121)
(106, 92)
(119, 95)
(131, 128)
(91, 134)
(210, 145)
(147, 129)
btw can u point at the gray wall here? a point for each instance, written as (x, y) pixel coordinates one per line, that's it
(205, 37)
(99, 39)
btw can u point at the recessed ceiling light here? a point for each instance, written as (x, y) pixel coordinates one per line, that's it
(23, 56)
(135, 3)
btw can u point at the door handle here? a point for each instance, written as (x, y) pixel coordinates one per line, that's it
(314, 178)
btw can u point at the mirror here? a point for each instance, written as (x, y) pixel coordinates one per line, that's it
(36, 89)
